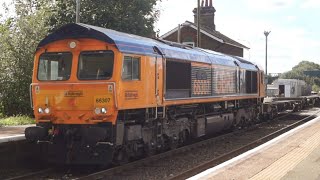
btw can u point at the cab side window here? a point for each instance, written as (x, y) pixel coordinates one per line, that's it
(131, 68)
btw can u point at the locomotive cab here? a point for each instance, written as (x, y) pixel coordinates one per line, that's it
(74, 87)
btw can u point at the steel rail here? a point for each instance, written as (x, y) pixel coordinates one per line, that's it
(225, 157)
(32, 174)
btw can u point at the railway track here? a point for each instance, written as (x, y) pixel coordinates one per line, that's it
(31, 175)
(149, 164)
(225, 157)
(121, 172)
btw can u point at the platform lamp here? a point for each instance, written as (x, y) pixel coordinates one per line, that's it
(266, 33)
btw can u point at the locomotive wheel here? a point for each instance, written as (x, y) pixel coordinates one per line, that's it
(184, 137)
(174, 143)
(242, 123)
(121, 157)
(271, 116)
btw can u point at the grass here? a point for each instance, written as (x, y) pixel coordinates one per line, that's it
(16, 120)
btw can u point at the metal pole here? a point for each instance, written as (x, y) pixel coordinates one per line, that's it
(78, 12)
(266, 33)
(198, 24)
(179, 34)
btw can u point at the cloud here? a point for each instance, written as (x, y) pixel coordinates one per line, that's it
(173, 13)
(6, 4)
(269, 5)
(310, 4)
(286, 45)
(291, 18)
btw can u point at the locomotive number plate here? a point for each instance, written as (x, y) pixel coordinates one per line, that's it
(102, 100)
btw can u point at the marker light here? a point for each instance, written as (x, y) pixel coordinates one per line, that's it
(47, 110)
(72, 44)
(97, 111)
(103, 110)
(40, 110)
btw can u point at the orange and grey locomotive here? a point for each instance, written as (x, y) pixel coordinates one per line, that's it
(101, 96)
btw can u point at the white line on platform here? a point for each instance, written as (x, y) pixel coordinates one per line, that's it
(251, 152)
(12, 138)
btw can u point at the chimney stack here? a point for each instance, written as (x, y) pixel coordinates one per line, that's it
(206, 15)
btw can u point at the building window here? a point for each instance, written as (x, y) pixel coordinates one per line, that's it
(131, 68)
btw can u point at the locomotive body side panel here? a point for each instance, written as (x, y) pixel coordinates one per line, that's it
(201, 78)
(143, 88)
(224, 80)
(262, 85)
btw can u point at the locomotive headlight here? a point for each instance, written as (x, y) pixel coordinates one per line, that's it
(97, 110)
(40, 110)
(103, 110)
(72, 44)
(47, 110)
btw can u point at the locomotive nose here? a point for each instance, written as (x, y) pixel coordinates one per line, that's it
(74, 103)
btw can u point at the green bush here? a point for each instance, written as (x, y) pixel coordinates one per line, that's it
(19, 37)
(16, 120)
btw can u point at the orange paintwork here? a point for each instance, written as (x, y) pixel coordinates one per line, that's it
(80, 110)
(141, 93)
(67, 108)
(262, 86)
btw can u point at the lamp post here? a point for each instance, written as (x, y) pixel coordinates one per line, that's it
(266, 33)
(198, 26)
(78, 11)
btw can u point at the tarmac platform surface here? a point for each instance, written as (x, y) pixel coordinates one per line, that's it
(12, 133)
(293, 155)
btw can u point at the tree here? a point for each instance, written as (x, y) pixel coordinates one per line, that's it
(297, 72)
(19, 37)
(34, 19)
(131, 16)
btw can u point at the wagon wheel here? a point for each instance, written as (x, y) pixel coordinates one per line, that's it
(294, 108)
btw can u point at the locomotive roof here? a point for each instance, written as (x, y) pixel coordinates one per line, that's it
(129, 43)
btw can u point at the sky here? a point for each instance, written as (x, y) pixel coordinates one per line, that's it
(294, 27)
(293, 24)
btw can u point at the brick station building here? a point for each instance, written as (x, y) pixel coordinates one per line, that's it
(210, 37)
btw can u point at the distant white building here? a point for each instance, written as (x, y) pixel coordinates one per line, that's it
(288, 88)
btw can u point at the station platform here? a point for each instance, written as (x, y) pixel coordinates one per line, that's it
(12, 133)
(293, 155)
